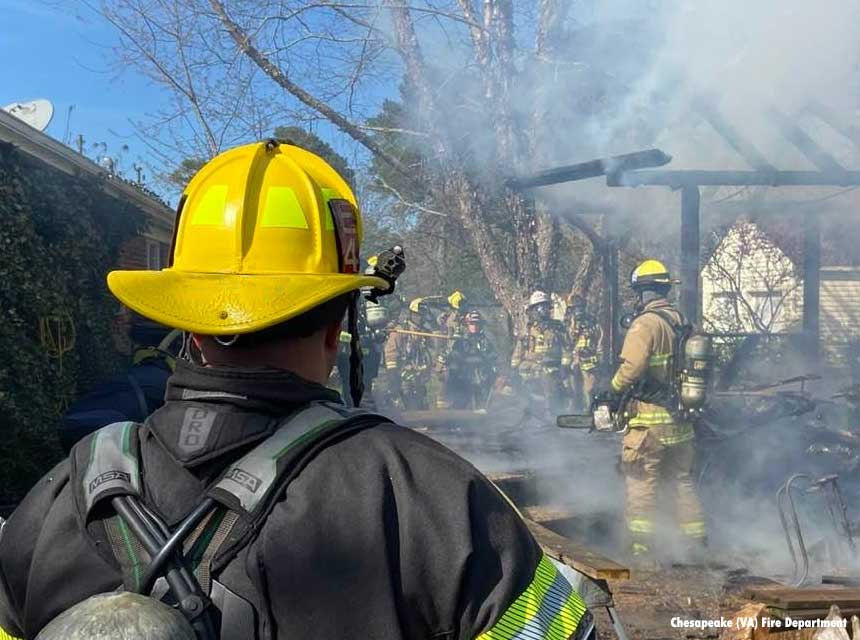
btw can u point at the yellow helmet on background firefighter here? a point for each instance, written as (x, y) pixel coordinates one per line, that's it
(651, 272)
(231, 272)
(421, 314)
(456, 299)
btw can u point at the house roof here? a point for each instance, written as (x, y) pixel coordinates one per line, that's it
(43, 147)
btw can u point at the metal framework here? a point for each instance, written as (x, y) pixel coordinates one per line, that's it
(636, 170)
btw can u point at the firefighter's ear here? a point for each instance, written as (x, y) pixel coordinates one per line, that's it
(332, 336)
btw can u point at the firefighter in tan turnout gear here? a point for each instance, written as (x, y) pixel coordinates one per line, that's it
(409, 358)
(586, 338)
(543, 354)
(658, 449)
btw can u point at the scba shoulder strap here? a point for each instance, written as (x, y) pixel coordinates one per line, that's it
(677, 325)
(245, 495)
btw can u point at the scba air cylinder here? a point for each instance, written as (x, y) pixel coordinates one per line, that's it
(377, 316)
(698, 362)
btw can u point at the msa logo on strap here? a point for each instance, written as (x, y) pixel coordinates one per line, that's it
(249, 480)
(345, 219)
(112, 468)
(109, 476)
(244, 479)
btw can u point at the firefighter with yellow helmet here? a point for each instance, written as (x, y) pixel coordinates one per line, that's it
(410, 357)
(542, 355)
(658, 449)
(266, 507)
(451, 320)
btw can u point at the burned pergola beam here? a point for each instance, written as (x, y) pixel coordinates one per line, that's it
(591, 169)
(732, 136)
(696, 178)
(805, 144)
(835, 121)
(690, 251)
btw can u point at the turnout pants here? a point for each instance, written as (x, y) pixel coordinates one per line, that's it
(583, 383)
(652, 466)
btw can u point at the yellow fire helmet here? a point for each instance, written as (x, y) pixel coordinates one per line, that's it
(455, 299)
(415, 305)
(264, 232)
(651, 272)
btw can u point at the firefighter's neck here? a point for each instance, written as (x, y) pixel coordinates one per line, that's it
(312, 357)
(647, 297)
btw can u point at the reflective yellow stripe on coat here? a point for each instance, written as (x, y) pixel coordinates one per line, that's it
(6, 636)
(549, 609)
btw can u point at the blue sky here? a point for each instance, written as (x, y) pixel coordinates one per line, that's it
(58, 50)
(53, 50)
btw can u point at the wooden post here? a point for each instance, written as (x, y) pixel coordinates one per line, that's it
(811, 284)
(609, 257)
(690, 253)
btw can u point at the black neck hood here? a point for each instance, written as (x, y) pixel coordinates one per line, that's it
(212, 412)
(272, 391)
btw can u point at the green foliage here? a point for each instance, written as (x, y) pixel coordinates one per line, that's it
(60, 236)
(182, 174)
(440, 255)
(393, 131)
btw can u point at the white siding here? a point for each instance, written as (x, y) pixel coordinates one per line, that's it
(840, 309)
(749, 285)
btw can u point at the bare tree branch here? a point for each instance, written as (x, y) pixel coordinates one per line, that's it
(406, 203)
(243, 41)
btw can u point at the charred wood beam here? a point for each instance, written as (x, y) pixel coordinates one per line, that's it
(732, 136)
(693, 178)
(805, 144)
(690, 249)
(768, 207)
(591, 169)
(609, 257)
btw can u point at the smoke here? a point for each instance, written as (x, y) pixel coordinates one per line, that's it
(746, 57)
(634, 74)
(652, 64)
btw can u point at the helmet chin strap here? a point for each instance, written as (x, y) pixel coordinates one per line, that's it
(356, 367)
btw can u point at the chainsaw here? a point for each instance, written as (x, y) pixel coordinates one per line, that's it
(605, 416)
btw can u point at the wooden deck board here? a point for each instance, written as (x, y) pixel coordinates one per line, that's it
(577, 556)
(790, 599)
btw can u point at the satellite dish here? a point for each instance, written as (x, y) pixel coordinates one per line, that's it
(36, 113)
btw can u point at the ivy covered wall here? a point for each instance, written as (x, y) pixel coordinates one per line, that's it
(59, 236)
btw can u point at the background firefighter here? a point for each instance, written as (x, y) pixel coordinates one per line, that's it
(469, 366)
(541, 356)
(451, 319)
(373, 324)
(409, 359)
(586, 336)
(658, 450)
